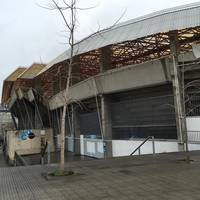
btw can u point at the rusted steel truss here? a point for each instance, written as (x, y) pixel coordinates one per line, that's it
(122, 54)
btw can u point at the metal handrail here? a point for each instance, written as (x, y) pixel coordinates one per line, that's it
(47, 149)
(43, 150)
(19, 159)
(138, 148)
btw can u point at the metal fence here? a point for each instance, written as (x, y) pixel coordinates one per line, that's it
(193, 136)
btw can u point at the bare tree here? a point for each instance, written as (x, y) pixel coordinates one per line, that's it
(71, 7)
(68, 11)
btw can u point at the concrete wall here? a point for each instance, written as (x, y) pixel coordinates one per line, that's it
(94, 147)
(28, 146)
(126, 78)
(126, 147)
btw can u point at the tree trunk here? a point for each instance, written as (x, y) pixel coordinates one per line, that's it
(62, 136)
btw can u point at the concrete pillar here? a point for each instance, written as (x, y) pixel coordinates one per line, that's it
(76, 75)
(166, 69)
(178, 91)
(105, 64)
(105, 59)
(56, 128)
(106, 125)
(67, 131)
(77, 131)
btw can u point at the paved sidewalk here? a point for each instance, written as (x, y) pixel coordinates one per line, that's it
(2, 161)
(141, 178)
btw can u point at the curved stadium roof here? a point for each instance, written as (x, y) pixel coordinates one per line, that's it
(176, 18)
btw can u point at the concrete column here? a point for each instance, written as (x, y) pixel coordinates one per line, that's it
(105, 64)
(77, 131)
(67, 131)
(177, 89)
(68, 128)
(106, 125)
(76, 70)
(105, 59)
(56, 128)
(166, 69)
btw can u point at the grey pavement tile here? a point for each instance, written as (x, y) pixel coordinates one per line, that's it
(146, 178)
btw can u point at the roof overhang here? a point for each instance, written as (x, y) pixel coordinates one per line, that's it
(164, 21)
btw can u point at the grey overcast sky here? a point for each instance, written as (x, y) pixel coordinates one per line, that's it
(29, 33)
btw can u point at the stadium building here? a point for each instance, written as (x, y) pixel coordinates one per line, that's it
(135, 80)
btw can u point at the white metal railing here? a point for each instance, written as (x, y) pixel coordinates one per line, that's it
(93, 147)
(193, 136)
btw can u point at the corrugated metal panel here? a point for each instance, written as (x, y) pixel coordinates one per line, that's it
(89, 124)
(163, 21)
(144, 112)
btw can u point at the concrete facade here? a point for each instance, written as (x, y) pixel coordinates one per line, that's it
(109, 82)
(137, 87)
